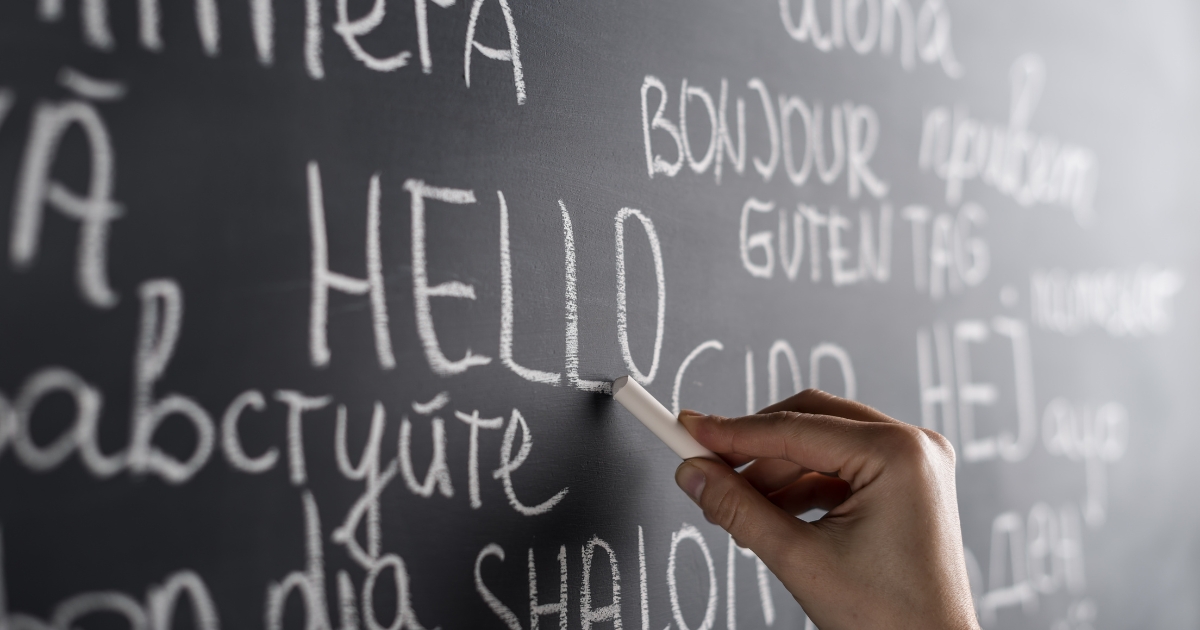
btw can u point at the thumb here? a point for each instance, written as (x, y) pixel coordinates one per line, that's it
(729, 501)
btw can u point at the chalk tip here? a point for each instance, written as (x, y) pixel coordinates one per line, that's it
(618, 383)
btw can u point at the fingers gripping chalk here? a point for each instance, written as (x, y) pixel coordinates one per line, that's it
(655, 416)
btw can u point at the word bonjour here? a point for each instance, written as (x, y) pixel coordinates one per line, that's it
(853, 135)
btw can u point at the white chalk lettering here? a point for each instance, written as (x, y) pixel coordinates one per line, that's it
(509, 464)
(476, 423)
(572, 313)
(512, 54)
(1028, 168)
(309, 583)
(323, 279)
(404, 617)
(503, 612)
(925, 36)
(763, 580)
(422, 292)
(538, 610)
(842, 358)
(506, 308)
(36, 188)
(1120, 302)
(686, 93)
(622, 315)
(352, 30)
(297, 405)
(655, 162)
(711, 344)
(589, 615)
(689, 532)
(438, 473)
(158, 332)
(231, 443)
(758, 240)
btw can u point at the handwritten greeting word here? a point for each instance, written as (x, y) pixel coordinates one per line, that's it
(98, 33)
(761, 250)
(863, 24)
(628, 223)
(687, 538)
(1097, 435)
(1029, 168)
(1122, 303)
(853, 133)
(944, 373)
(1038, 555)
(947, 255)
(781, 351)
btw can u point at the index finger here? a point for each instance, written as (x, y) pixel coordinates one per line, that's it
(825, 443)
(824, 403)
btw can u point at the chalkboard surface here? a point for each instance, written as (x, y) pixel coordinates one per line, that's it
(309, 307)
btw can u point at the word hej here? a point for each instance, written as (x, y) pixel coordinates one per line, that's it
(98, 34)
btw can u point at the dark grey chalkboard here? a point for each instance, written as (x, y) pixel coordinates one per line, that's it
(308, 306)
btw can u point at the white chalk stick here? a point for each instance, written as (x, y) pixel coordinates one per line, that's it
(655, 416)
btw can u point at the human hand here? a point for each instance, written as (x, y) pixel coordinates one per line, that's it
(888, 554)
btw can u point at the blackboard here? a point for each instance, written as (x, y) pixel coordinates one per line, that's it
(309, 306)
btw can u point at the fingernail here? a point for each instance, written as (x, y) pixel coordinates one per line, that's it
(687, 416)
(691, 480)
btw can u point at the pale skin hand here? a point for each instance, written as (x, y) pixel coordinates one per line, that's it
(888, 554)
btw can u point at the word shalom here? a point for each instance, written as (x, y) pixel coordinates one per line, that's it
(862, 25)
(98, 33)
(795, 135)
(596, 558)
(1029, 168)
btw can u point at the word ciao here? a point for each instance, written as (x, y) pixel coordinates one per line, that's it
(97, 33)
(324, 280)
(781, 353)
(1028, 168)
(591, 613)
(853, 136)
(1122, 303)
(761, 250)
(863, 24)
